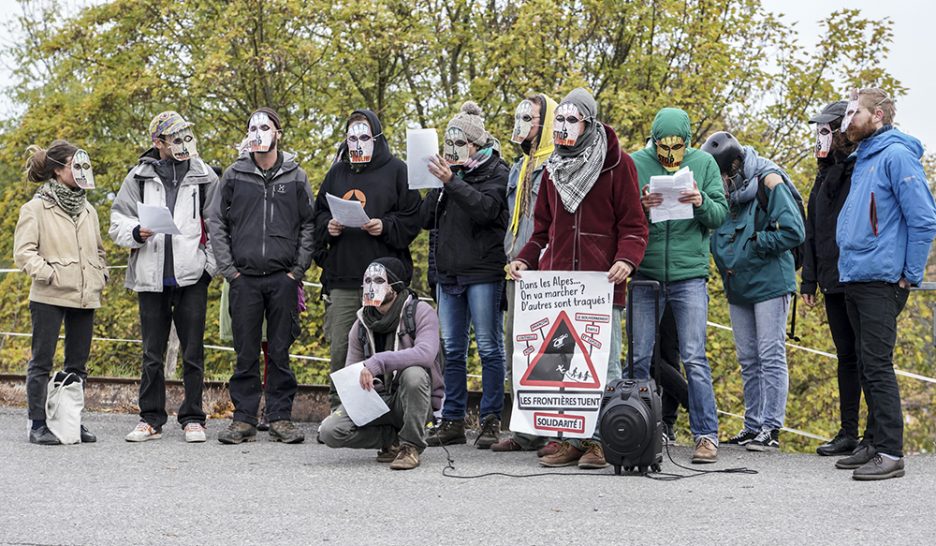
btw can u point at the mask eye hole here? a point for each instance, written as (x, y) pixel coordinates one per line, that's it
(568, 119)
(86, 166)
(676, 147)
(364, 138)
(456, 143)
(825, 131)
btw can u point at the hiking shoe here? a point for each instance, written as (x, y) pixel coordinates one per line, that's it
(842, 444)
(594, 456)
(862, 454)
(490, 432)
(742, 438)
(448, 433)
(879, 468)
(143, 432)
(765, 439)
(285, 431)
(195, 433)
(550, 448)
(566, 455)
(406, 459)
(507, 444)
(43, 436)
(86, 436)
(669, 434)
(388, 453)
(705, 451)
(238, 432)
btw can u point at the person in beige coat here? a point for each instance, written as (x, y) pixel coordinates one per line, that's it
(58, 243)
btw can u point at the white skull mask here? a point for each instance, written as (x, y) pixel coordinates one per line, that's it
(455, 149)
(260, 133)
(823, 139)
(81, 170)
(182, 144)
(376, 286)
(850, 110)
(523, 122)
(566, 129)
(360, 142)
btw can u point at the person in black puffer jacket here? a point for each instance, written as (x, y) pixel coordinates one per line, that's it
(470, 214)
(820, 265)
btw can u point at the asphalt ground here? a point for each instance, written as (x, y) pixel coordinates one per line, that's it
(169, 492)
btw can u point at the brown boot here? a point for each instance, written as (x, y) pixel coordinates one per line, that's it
(387, 454)
(406, 459)
(507, 444)
(550, 448)
(565, 456)
(593, 457)
(705, 452)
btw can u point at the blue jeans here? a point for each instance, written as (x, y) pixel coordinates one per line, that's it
(689, 302)
(759, 333)
(478, 306)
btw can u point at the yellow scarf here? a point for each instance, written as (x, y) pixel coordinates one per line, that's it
(544, 149)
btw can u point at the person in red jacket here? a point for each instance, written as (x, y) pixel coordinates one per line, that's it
(587, 218)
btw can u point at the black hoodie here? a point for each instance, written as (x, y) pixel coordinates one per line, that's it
(381, 185)
(820, 260)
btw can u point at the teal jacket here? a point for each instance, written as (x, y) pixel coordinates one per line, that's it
(752, 248)
(678, 250)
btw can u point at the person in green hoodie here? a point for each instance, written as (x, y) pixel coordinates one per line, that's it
(678, 258)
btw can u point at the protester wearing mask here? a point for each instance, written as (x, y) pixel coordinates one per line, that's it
(262, 231)
(470, 214)
(365, 171)
(533, 122)
(820, 265)
(884, 233)
(396, 336)
(752, 250)
(587, 218)
(678, 258)
(170, 273)
(57, 243)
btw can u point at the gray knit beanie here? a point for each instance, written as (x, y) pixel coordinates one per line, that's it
(469, 120)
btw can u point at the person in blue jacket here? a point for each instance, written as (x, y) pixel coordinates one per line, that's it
(884, 233)
(752, 250)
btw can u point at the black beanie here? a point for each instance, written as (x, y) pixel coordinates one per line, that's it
(396, 272)
(271, 113)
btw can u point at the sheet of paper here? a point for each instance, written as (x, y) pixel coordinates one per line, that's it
(421, 144)
(347, 213)
(362, 406)
(671, 187)
(157, 219)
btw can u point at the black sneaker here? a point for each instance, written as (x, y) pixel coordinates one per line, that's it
(842, 444)
(448, 433)
(86, 436)
(766, 439)
(862, 454)
(669, 434)
(490, 432)
(43, 436)
(285, 431)
(742, 438)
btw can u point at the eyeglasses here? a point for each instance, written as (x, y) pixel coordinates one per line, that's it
(568, 119)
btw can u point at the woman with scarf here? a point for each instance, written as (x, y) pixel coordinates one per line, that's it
(58, 243)
(588, 217)
(470, 214)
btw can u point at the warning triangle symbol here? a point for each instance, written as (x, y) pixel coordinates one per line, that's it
(562, 360)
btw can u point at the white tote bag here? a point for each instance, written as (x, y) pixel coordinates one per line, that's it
(64, 403)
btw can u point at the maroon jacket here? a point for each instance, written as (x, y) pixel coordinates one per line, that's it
(609, 225)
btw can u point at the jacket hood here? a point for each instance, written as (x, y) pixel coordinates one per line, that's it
(382, 152)
(546, 145)
(613, 157)
(879, 142)
(671, 122)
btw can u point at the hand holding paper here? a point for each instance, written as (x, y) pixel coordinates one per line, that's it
(421, 146)
(669, 204)
(157, 219)
(362, 406)
(345, 212)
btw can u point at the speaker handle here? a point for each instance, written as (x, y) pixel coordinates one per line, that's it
(655, 286)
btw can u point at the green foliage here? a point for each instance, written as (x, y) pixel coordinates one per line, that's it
(97, 78)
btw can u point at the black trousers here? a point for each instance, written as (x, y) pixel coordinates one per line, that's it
(275, 297)
(849, 378)
(185, 306)
(46, 323)
(675, 388)
(873, 308)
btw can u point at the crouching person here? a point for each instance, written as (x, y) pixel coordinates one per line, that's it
(397, 338)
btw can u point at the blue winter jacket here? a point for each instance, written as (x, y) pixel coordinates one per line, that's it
(886, 226)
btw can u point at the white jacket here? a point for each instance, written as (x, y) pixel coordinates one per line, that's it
(191, 251)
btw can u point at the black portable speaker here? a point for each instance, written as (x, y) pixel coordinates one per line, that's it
(631, 419)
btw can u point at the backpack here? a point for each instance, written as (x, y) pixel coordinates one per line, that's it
(799, 251)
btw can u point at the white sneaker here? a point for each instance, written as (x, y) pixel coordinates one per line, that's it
(142, 433)
(194, 433)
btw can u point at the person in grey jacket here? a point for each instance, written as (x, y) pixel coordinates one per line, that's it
(262, 232)
(170, 273)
